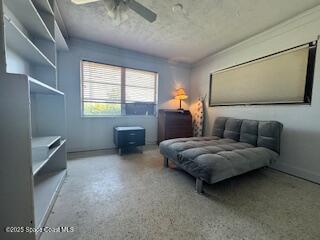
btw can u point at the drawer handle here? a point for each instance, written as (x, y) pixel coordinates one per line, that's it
(132, 134)
(132, 143)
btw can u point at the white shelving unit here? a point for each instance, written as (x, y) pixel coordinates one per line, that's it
(61, 42)
(20, 43)
(48, 182)
(60, 30)
(44, 5)
(26, 13)
(43, 149)
(33, 126)
(48, 141)
(39, 87)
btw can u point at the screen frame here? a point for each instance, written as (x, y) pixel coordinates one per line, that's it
(309, 78)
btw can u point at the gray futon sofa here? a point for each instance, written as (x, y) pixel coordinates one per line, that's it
(237, 146)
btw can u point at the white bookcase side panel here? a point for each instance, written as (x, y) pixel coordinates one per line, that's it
(16, 194)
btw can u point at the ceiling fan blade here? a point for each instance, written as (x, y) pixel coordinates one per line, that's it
(142, 10)
(80, 2)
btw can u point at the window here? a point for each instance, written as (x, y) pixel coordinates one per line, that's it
(111, 90)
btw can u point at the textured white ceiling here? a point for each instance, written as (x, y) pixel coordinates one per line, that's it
(205, 27)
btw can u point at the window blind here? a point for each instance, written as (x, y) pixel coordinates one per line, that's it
(140, 86)
(114, 90)
(101, 82)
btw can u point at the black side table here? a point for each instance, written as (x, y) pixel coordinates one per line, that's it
(127, 137)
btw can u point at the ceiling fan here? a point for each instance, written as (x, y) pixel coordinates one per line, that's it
(117, 9)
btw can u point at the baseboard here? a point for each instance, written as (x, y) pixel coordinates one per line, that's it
(96, 152)
(89, 149)
(90, 153)
(297, 172)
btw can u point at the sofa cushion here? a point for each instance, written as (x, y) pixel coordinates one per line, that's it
(232, 129)
(269, 135)
(249, 132)
(214, 159)
(219, 126)
(212, 166)
(169, 147)
(258, 133)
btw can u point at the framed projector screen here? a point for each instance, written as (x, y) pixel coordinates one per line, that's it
(281, 78)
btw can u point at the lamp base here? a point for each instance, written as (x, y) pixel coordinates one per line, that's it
(180, 110)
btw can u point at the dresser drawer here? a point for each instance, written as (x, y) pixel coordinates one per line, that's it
(174, 124)
(179, 134)
(178, 120)
(178, 117)
(180, 127)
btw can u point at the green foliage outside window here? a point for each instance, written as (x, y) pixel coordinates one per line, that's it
(94, 108)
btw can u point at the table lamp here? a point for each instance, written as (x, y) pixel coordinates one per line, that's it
(180, 94)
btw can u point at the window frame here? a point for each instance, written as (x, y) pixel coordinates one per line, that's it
(123, 89)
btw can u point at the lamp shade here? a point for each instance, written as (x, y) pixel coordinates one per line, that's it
(180, 94)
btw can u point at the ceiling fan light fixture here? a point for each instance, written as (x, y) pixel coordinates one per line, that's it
(119, 18)
(178, 7)
(117, 12)
(80, 2)
(117, 9)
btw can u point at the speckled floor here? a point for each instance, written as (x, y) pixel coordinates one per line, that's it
(134, 197)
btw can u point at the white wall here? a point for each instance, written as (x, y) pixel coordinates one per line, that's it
(300, 150)
(97, 133)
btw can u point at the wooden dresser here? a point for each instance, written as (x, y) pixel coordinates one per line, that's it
(174, 124)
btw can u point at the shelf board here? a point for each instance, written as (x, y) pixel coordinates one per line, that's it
(46, 188)
(39, 87)
(45, 141)
(43, 5)
(44, 154)
(59, 20)
(60, 41)
(22, 45)
(28, 15)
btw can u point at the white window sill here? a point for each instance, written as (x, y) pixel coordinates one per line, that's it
(120, 116)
